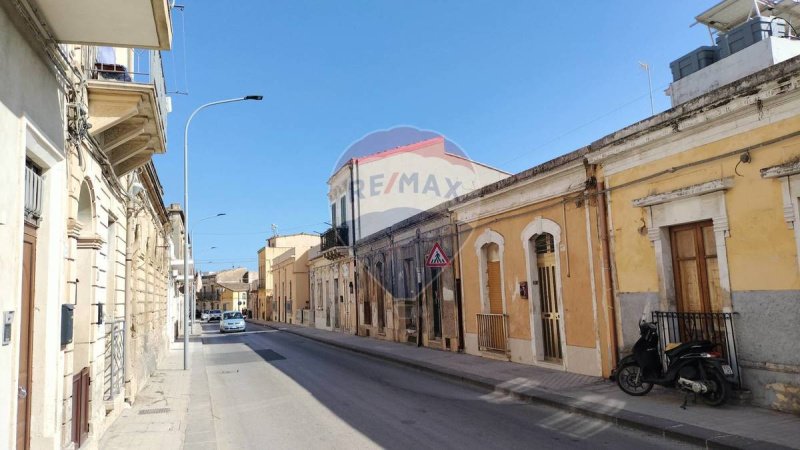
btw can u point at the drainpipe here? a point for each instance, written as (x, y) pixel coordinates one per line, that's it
(611, 315)
(353, 242)
(127, 335)
(457, 272)
(419, 288)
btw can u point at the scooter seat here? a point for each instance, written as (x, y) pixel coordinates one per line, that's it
(687, 346)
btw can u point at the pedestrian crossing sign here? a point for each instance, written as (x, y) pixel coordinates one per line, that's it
(437, 257)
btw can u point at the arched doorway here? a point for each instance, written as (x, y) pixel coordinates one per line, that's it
(85, 313)
(543, 246)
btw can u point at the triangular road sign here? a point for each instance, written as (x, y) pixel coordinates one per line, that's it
(437, 257)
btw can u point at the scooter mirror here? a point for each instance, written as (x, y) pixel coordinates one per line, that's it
(645, 313)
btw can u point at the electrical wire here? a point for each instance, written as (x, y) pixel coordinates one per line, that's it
(572, 130)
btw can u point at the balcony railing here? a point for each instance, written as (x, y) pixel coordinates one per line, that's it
(140, 66)
(493, 332)
(335, 237)
(675, 327)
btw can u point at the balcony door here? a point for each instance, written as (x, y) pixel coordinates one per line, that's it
(694, 263)
(544, 247)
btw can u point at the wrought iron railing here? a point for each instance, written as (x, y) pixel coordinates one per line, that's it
(678, 327)
(335, 237)
(143, 66)
(33, 195)
(112, 376)
(493, 332)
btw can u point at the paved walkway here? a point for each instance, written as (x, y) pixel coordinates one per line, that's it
(172, 411)
(659, 412)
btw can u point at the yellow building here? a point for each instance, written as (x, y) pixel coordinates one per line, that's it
(530, 264)
(234, 296)
(263, 303)
(704, 217)
(280, 291)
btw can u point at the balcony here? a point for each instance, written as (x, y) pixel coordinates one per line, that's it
(335, 243)
(128, 104)
(128, 23)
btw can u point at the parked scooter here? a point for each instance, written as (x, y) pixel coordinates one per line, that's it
(693, 367)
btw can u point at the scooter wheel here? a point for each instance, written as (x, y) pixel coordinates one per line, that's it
(629, 379)
(721, 388)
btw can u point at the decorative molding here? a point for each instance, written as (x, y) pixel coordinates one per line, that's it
(91, 242)
(74, 228)
(685, 192)
(490, 236)
(688, 209)
(782, 170)
(543, 187)
(537, 226)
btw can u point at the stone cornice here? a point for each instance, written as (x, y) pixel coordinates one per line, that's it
(74, 228)
(91, 242)
(782, 170)
(689, 191)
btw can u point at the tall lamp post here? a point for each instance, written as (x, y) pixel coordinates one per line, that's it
(187, 285)
(193, 311)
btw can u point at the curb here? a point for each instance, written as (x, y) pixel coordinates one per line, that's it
(644, 422)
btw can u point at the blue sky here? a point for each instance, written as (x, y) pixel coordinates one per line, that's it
(514, 83)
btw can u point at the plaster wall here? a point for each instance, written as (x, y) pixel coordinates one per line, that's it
(31, 124)
(753, 221)
(578, 263)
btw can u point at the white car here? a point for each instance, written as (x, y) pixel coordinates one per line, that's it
(204, 316)
(231, 321)
(214, 314)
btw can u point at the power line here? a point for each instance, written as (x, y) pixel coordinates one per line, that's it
(572, 130)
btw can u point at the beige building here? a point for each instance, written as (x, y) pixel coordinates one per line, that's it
(262, 303)
(286, 270)
(332, 292)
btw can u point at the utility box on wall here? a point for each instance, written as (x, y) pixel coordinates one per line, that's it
(67, 319)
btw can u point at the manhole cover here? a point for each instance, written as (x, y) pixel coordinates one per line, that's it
(154, 411)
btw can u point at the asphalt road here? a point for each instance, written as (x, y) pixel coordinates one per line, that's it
(276, 390)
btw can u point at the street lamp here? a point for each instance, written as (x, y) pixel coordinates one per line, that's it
(187, 285)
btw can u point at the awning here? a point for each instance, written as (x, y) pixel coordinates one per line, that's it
(727, 14)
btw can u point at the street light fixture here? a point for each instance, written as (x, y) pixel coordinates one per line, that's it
(187, 284)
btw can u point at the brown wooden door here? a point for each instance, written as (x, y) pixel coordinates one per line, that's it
(26, 337)
(694, 262)
(494, 282)
(80, 407)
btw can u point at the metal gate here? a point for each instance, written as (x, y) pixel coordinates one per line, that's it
(113, 379)
(548, 297)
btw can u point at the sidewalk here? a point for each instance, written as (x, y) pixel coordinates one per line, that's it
(659, 412)
(172, 411)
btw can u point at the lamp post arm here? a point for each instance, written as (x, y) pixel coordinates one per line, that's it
(187, 283)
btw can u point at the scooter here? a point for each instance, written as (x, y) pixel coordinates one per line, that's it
(692, 367)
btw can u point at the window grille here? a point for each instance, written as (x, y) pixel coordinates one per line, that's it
(34, 187)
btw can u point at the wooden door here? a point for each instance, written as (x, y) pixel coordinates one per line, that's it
(379, 296)
(26, 337)
(494, 282)
(80, 407)
(548, 297)
(694, 263)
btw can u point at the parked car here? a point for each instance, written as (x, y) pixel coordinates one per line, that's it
(204, 315)
(214, 314)
(231, 321)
